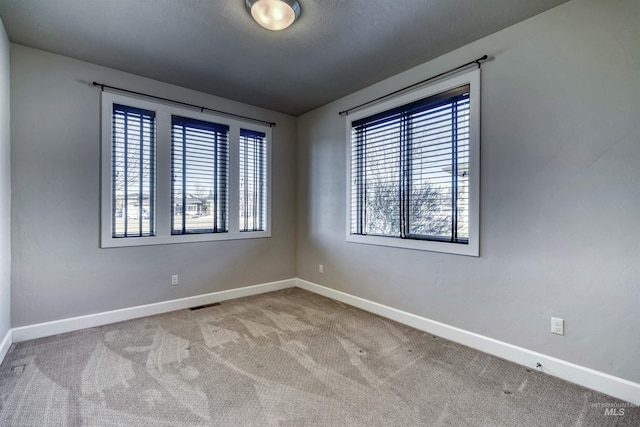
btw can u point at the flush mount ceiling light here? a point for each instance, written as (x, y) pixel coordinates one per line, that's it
(274, 15)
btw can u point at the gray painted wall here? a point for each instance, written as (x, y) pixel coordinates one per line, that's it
(5, 187)
(560, 179)
(59, 271)
(559, 194)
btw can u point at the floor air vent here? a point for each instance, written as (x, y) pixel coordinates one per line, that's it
(200, 307)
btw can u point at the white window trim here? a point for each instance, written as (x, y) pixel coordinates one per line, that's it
(472, 248)
(163, 175)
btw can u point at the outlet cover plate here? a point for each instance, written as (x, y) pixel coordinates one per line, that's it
(557, 326)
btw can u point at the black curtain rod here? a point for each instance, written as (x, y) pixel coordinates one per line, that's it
(202, 109)
(477, 61)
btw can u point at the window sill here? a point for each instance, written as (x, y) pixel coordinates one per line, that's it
(469, 249)
(122, 242)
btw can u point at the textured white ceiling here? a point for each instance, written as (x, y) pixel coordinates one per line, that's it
(214, 46)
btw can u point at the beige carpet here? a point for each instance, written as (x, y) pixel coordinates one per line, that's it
(287, 358)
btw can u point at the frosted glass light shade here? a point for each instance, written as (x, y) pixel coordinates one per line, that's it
(274, 15)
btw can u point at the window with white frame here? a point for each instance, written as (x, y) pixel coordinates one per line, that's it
(132, 171)
(200, 176)
(253, 167)
(414, 169)
(172, 175)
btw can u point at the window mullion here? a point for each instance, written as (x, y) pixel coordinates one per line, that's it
(234, 178)
(164, 175)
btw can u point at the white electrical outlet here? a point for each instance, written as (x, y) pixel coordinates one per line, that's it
(174, 280)
(557, 326)
(321, 268)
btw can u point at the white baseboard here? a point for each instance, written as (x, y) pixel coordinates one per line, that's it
(55, 327)
(599, 381)
(5, 345)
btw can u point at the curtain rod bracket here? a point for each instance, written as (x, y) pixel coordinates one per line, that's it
(479, 61)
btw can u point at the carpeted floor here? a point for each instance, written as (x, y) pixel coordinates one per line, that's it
(286, 358)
